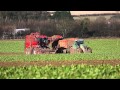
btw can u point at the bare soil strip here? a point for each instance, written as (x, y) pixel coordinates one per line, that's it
(11, 53)
(59, 63)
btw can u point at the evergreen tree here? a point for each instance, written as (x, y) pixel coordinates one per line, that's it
(62, 15)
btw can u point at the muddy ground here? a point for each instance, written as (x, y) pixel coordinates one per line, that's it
(54, 63)
(59, 63)
(11, 53)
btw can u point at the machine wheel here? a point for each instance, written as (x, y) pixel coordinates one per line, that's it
(65, 51)
(36, 51)
(28, 51)
(89, 50)
(80, 50)
(59, 50)
(72, 51)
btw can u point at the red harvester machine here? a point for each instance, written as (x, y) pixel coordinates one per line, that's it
(35, 43)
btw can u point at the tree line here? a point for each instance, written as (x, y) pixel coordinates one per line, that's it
(61, 22)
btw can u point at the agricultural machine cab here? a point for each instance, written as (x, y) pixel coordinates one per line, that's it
(42, 41)
(79, 44)
(80, 41)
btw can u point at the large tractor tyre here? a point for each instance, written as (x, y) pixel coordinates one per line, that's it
(79, 50)
(29, 51)
(37, 51)
(68, 50)
(59, 50)
(89, 50)
(64, 50)
(34, 51)
(72, 51)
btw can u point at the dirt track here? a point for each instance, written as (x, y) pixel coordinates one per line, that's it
(54, 63)
(59, 63)
(11, 53)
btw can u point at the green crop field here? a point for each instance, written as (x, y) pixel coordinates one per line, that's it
(103, 49)
(11, 46)
(63, 72)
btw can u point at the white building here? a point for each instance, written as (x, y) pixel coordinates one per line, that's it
(22, 29)
(91, 12)
(92, 15)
